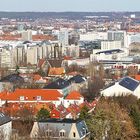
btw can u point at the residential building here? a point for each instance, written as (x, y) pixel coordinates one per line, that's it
(60, 129)
(13, 78)
(124, 86)
(63, 37)
(26, 35)
(5, 127)
(77, 82)
(31, 96)
(112, 56)
(92, 36)
(56, 72)
(117, 36)
(133, 38)
(74, 97)
(6, 57)
(72, 51)
(19, 55)
(110, 45)
(66, 86)
(63, 86)
(32, 55)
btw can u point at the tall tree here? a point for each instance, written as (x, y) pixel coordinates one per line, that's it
(111, 122)
(43, 114)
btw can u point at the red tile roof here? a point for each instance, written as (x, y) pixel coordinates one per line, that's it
(31, 95)
(36, 77)
(74, 73)
(10, 37)
(56, 71)
(67, 58)
(137, 77)
(74, 95)
(13, 108)
(55, 113)
(42, 37)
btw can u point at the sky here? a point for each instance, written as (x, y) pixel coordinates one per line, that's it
(69, 5)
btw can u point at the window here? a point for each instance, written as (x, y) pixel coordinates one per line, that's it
(38, 98)
(74, 134)
(48, 133)
(21, 98)
(62, 133)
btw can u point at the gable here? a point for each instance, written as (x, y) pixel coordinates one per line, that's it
(74, 130)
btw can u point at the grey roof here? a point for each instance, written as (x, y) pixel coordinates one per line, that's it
(4, 119)
(58, 84)
(56, 125)
(13, 78)
(126, 82)
(77, 79)
(129, 83)
(110, 51)
(82, 128)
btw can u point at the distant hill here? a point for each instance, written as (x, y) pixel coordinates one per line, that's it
(68, 15)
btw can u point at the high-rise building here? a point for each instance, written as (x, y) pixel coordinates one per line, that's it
(19, 55)
(117, 36)
(110, 45)
(6, 57)
(32, 55)
(20, 27)
(63, 36)
(27, 35)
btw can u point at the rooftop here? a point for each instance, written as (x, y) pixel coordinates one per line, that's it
(31, 95)
(77, 79)
(129, 83)
(4, 119)
(74, 95)
(110, 51)
(56, 71)
(58, 84)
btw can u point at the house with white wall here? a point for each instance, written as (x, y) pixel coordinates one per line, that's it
(124, 86)
(73, 98)
(31, 96)
(60, 129)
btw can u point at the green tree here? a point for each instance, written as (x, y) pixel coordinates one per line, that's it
(43, 114)
(135, 114)
(132, 105)
(84, 113)
(110, 121)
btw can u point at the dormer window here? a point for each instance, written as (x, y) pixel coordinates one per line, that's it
(48, 133)
(21, 98)
(38, 98)
(62, 133)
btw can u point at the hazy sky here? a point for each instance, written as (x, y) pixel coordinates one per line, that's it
(70, 5)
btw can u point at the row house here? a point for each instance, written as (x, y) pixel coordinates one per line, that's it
(31, 96)
(40, 96)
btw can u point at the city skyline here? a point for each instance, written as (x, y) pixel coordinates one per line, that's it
(63, 5)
